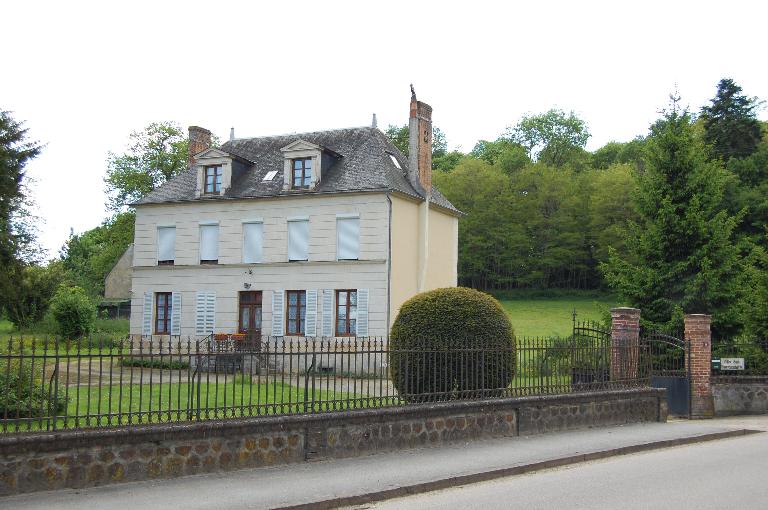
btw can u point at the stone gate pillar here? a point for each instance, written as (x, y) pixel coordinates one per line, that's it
(698, 337)
(625, 343)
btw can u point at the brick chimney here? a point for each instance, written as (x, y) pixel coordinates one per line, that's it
(420, 143)
(199, 140)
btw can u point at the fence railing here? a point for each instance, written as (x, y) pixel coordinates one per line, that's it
(754, 351)
(50, 385)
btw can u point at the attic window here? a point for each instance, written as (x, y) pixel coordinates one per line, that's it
(395, 161)
(270, 175)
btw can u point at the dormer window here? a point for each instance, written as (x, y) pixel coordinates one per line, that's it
(213, 175)
(301, 177)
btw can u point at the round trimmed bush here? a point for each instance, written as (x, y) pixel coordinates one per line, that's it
(74, 312)
(451, 343)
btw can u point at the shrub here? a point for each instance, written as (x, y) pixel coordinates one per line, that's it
(453, 342)
(26, 394)
(74, 312)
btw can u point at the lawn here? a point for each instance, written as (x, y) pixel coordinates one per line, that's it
(553, 316)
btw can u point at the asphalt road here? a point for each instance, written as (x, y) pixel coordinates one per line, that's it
(727, 474)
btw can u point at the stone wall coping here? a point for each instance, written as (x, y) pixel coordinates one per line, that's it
(67, 439)
(739, 379)
(626, 309)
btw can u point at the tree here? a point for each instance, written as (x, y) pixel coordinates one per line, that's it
(617, 152)
(681, 253)
(553, 136)
(730, 122)
(17, 235)
(15, 152)
(27, 300)
(155, 155)
(90, 256)
(510, 156)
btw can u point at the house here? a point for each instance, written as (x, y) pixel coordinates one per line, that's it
(313, 234)
(117, 287)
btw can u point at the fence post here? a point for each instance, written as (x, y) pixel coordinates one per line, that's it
(625, 343)
(698, 338)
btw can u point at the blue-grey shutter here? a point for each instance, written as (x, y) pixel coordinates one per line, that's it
(200, 313)
(205, 313)
(310, 326)
(146, 326)
(210, 312)
(277, 312)
(328, 312)
(362, 312)
(176, 313)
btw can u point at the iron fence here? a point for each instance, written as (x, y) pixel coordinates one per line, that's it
(53, 385)
(754, 351)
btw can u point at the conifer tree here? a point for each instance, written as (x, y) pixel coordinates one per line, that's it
(681, 253)
(730, 123)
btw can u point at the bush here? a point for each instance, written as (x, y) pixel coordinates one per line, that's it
(74, 312)
(454, 342)
(28, 394)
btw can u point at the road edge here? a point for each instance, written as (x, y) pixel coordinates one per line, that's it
(484, 476)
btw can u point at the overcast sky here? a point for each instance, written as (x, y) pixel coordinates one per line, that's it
(83, 76)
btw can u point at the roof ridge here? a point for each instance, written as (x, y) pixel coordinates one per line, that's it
(300, 134)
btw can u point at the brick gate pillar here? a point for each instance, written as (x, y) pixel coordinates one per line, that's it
(699, 339)
(625, 343)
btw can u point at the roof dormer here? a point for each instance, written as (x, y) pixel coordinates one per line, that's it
(214, 172)
(303, 164)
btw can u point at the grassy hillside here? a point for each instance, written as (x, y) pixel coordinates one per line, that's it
(551, 316)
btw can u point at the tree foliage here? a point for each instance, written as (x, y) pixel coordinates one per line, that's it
(554, 137)
(27, 300)
(730, 122)
(90, 256)
(74, 312)
(681, 253)
(155, 154)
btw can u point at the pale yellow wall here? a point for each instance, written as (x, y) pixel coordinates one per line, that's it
(406, 240)
(443, 250)
(405, 252)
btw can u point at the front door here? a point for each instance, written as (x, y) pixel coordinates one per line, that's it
(250, 319)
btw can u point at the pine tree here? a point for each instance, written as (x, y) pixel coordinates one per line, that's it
(681, 253)
(730, 123)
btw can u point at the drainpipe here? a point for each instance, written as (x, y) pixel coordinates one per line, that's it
(389, 264)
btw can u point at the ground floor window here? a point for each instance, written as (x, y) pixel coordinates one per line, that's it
(346, 312)
(163, 305)
(250, 312)
(297, 309)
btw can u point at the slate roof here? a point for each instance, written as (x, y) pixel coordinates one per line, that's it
(364, 165)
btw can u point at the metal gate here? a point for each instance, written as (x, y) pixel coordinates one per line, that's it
(669, 367)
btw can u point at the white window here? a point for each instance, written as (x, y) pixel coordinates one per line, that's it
(166, 241)
(253, 233)
(298, 238)
(347, 237)
(209, 244)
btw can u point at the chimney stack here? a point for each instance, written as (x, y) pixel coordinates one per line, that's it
(199, 140)
(420, 143)
(231, 134)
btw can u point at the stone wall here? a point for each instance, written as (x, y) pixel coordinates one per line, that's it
(740, 395)
(87, 458)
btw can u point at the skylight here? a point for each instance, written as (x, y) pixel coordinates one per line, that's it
(395, 161)
(270, 175)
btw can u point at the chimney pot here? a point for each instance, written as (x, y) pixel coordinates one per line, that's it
(231, 134)
(199, 140)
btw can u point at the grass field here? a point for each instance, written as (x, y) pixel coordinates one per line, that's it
(552, 316)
